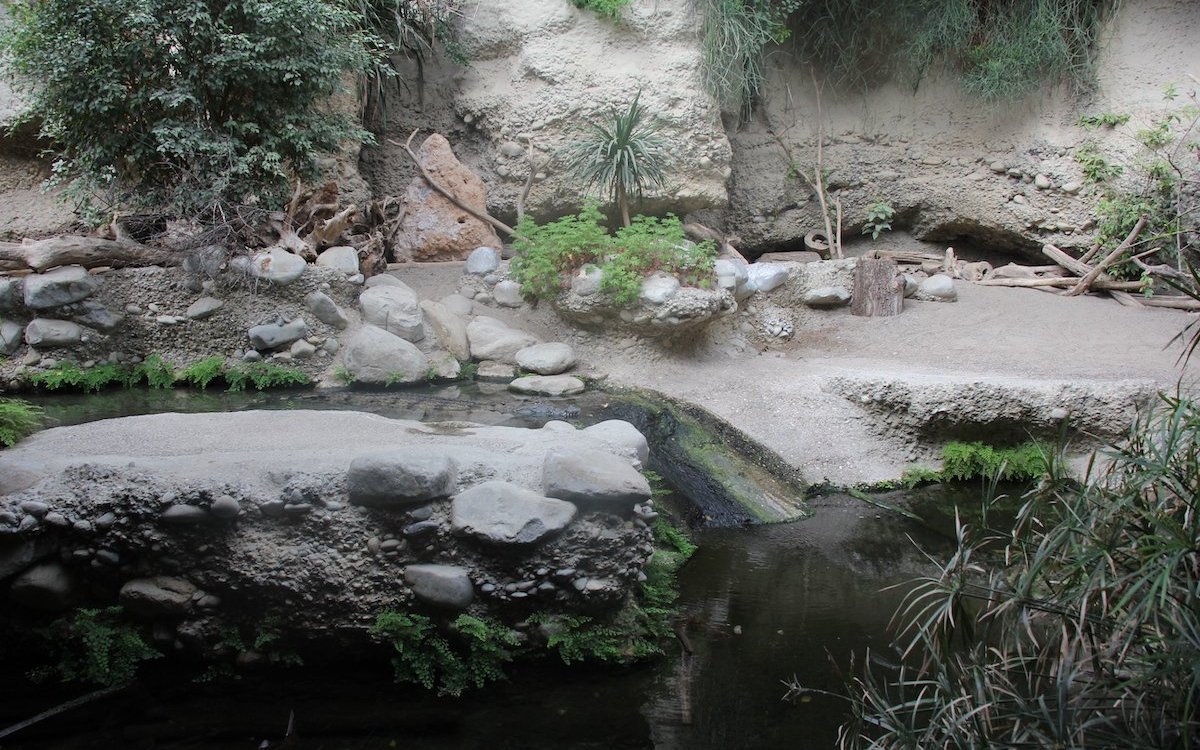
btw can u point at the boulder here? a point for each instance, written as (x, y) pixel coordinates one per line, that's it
(492, 339)
(507, 293)
(546, 359)
(390, 479)
(446, 586)
(11, 294)
(277, 266)
(275, 335)
(48, 586)
(322, 306)
(62, 286)
(766, 277)
(46, 333)
(458, 304)
(827, 296)
(482, 261)
(450, 329)
(383, 279)
(548, 385)
(95, 315)
(444, 365)
(11, 335)
(937, 288)
(503, 513)
(394, 308)
(376, 357)
(160, 596)
(658, 288)
(203, 308)
(622, 437)
(434, 228)
(594, 480)
(342, 258)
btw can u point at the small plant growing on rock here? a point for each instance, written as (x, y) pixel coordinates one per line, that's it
(425, 656)
(156, 371)
(264, 375)
(610, 9)
(96, 646)
(879, 219)
(200, 374)
(18, 419)
(623, 158)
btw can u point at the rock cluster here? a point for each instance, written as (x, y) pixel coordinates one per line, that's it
(212, 523)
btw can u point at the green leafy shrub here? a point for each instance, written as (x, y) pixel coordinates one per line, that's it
(264, 375)
(879, 219)
(18, 419)
(155, 371)
(1096, 167)
(1103, 120)
(1074, 627)
(962, 461)
(69, 376)
(200, 374)
(608, 8)
(185, 104)
(622, 158)
(423, 655)
(96, 646)
(547, 253)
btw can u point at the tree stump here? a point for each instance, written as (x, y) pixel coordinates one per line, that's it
(878, 288)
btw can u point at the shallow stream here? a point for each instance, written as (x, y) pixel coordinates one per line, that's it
(763, 604)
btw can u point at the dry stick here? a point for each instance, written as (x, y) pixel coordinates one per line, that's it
(1125, 298)
(1061, 281)
(1175, 303)
(1087, 257)
(1086, 282)
(1160, 270)
(1066, 261)
(60, 709)
(407, 146)
(837, 204)
(835, 250)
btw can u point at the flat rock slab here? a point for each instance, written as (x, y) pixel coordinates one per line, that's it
(548, 385)
(503, 513)
(62, 286)
(594, 480)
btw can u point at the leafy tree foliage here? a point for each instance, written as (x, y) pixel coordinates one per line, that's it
(185, 104)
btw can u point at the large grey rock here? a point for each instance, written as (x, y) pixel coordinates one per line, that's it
(11, 335)
(322, 306)
(446, 586)
(658, 288)
(827, 296)
(203, 308)
(622, 438)
(160, 596)
(342, 258)
(594, 480)
(376, 357)
(394, 308)
(443, 365)
(383, 279)
(766, 277)
(492, 339)
(45, 333)
(548, 385)
(95, 315)
(397, 478)
(546, 359)
(503, 513)
(458, 304)
(507, 293)
(482, 261)
(450, 329)
(62, 286)
(277, 266)
(11, 294)
(937, 288)
(46, 586)
(275, 335)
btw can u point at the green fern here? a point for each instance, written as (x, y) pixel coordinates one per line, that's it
(18, 419)
(200, 374)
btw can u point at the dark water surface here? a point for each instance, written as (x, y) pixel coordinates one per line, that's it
(763, 604)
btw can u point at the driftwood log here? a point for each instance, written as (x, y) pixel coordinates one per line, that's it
(1089, 279)
(1063, 281)
(89, 252)
(878, 288)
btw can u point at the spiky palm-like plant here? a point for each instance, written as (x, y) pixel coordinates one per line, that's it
(622, 158)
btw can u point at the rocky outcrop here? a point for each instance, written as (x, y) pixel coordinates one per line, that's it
(434, 227)
(316, 520)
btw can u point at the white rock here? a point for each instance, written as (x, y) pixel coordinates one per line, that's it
(658, 288)
(594, 480)
(450, 329)
(938, 288)
(766, 277)
(482, 261)
(343, 258)
(548, 385)
(507, 293)
(492, 339)
(277, 266)
(394, 308)
(203, 307)
(376, 357)
(546, 359)
(827, 296)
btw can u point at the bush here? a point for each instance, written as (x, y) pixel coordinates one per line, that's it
(185, 104)
(17, 420)
(547, 253)
(1076, 627)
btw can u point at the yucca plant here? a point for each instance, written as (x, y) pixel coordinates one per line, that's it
(623, 158)
(1079, 626)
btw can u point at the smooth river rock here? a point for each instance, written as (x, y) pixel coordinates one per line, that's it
(493, 339)
(446, 586)
(397, 478)
(46, 333)
(160, 596)
(548, 385)
(503, 513)
(62, 286)
(376, 357)
(594, 480)
(546, 359)
(449, 327)
(394, 308)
